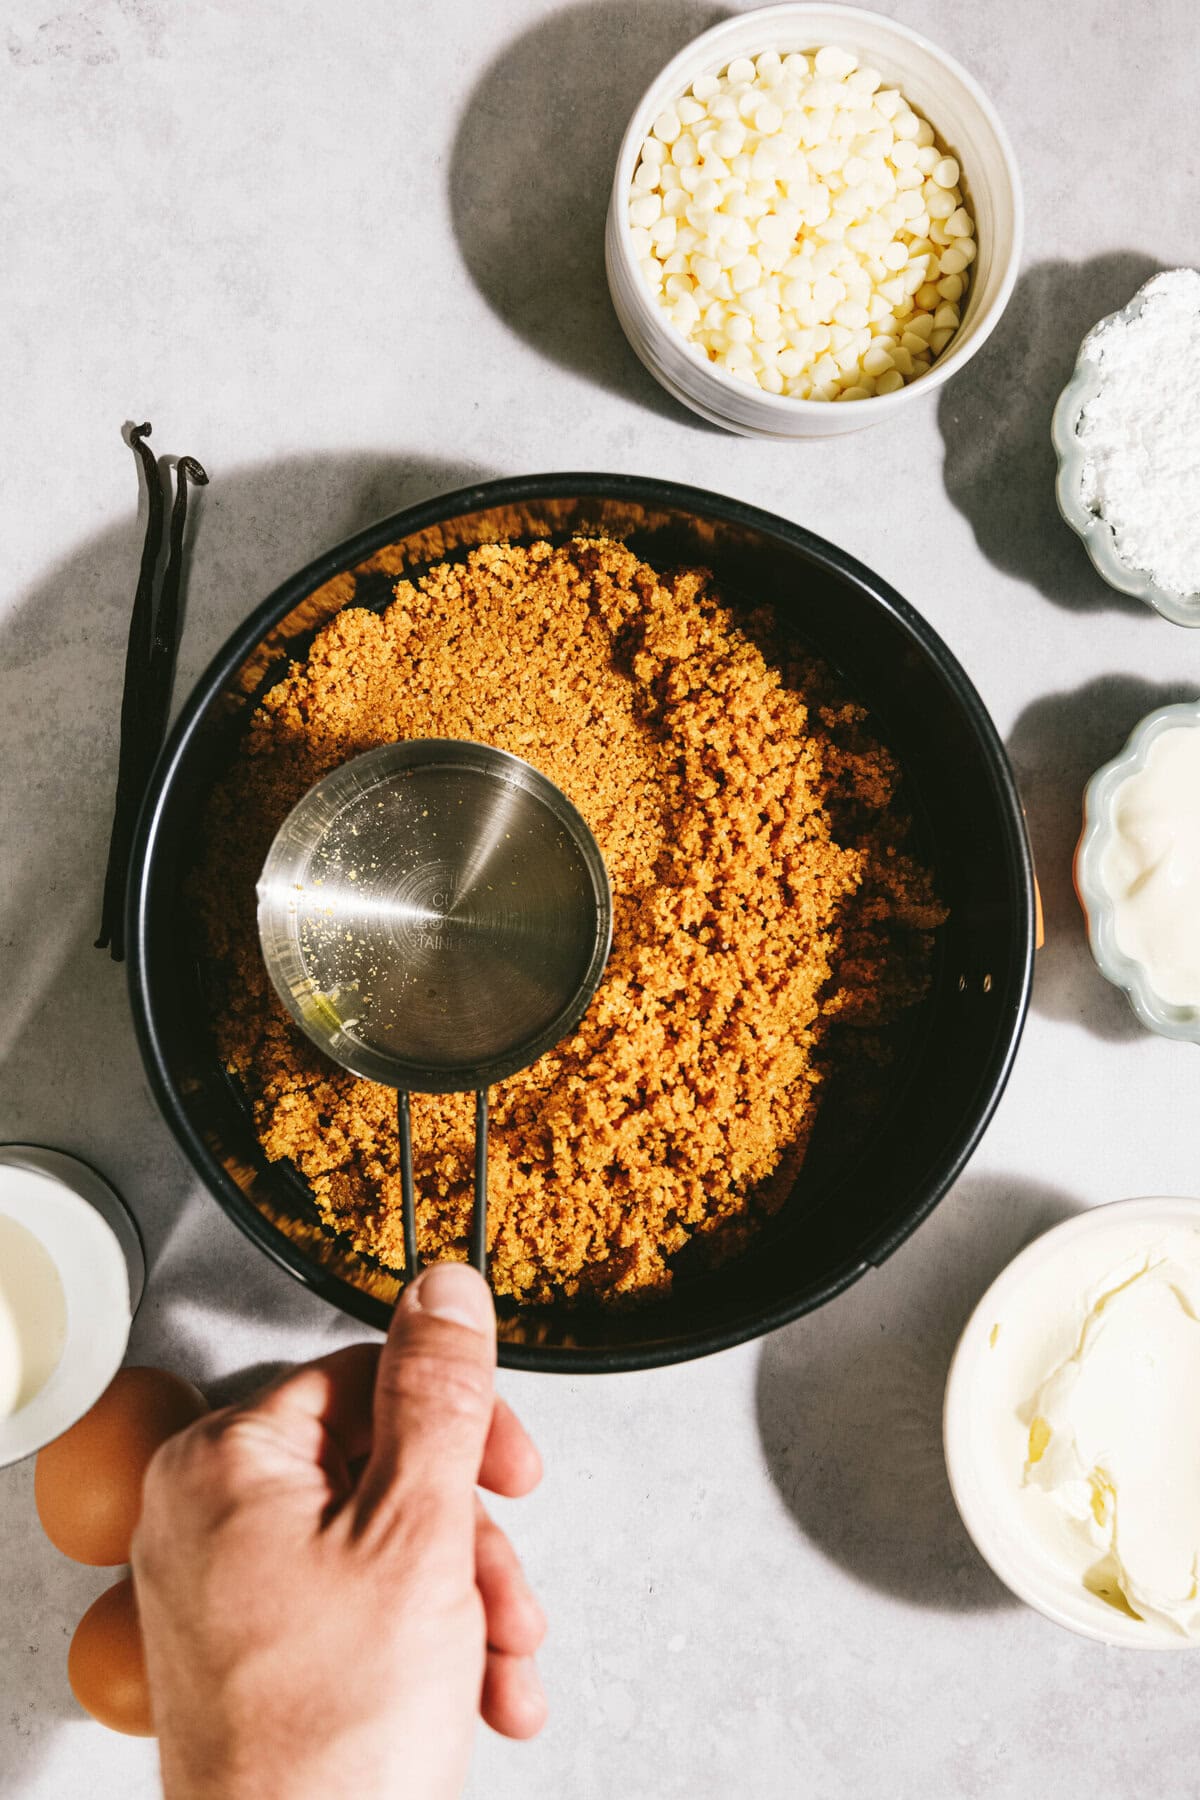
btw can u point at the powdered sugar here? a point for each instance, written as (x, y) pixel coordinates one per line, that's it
(1141, 432)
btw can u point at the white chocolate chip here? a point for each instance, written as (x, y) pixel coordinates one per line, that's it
(830, 60)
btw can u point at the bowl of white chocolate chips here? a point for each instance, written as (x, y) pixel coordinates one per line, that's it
(811, 205)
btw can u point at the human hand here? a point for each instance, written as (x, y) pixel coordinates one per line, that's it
(324, 1601)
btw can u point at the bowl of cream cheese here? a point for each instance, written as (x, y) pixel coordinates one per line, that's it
(1072, 1424)
(1137, 870)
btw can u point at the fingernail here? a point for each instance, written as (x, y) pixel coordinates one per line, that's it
(454, 1292)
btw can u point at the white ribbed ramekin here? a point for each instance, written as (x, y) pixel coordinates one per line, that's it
(966, 123)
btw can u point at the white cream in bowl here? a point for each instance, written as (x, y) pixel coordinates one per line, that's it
(1151, 865)
(1072, 1424)
(71, 1274)
(1114, 1440)
(33, 1316)
(1137, 870)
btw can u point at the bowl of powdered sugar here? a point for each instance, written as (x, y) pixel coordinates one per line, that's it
(1127, 433)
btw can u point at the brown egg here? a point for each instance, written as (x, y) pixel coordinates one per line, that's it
(88, 1483)
(106, 1664)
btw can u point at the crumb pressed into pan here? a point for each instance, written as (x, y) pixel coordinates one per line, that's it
(768, 922)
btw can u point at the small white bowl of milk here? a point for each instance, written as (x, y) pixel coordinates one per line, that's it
(1137, 870)
(71, 1274)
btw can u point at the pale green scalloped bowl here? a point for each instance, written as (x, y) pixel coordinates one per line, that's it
(1099, 801)
(1094, 531)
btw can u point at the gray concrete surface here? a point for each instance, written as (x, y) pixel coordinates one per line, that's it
(350, 256)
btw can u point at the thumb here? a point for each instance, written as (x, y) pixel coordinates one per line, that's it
(433, 1400)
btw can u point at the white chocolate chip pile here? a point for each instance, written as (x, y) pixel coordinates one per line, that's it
(801, 226)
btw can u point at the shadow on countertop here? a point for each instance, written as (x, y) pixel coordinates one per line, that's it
(1056, 746)
(70, 1074)
(999, 463)
(850, 1401)
(531, 171)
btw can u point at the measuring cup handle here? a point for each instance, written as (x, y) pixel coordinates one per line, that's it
(479, 1213)
(408, 1202)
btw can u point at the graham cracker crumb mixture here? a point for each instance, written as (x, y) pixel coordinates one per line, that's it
(762, 897)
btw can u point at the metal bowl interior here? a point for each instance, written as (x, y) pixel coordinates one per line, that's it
(435, 915)
(859, 1195)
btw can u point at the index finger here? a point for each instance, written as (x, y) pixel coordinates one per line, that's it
(317, 1416)
(511, 1464)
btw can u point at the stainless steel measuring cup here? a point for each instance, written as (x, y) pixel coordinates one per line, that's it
(435, 915)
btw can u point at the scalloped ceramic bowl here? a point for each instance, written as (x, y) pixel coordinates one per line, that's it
(1095, 533)
(1155, 1013)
